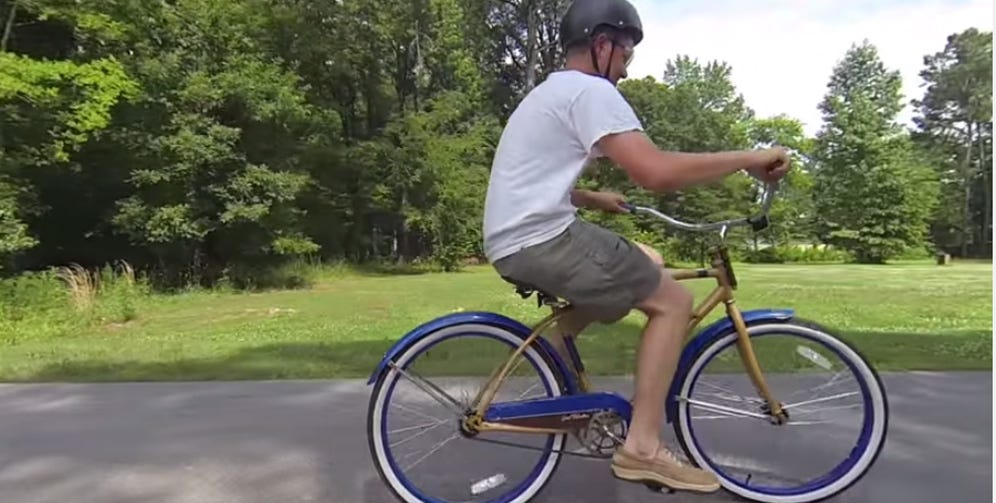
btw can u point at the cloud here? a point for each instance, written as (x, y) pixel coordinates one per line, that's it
(782, 52)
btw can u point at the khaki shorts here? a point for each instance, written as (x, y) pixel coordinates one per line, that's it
(600, 272)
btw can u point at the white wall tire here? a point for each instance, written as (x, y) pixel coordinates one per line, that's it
(396, 481)
(875, 395)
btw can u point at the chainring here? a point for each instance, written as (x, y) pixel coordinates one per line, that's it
(605, 432)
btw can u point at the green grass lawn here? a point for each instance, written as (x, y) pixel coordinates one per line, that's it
(905, 316)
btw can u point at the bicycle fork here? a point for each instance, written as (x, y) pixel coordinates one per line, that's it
(751, 366)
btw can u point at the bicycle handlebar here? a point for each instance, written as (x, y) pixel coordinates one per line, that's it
(757, 222)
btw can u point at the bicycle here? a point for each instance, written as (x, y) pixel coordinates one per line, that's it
(598, 420)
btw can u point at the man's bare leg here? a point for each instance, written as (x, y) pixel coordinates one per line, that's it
(655, 257)
(668, 311)
(643, 456)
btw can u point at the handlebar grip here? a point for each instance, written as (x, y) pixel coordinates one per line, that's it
(628, 207)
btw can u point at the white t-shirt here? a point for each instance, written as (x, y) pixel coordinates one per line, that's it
(546, 145)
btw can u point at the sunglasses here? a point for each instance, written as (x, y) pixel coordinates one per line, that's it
(628, 53)
(627, 49)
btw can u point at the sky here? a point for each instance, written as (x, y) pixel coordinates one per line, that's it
(782, 52)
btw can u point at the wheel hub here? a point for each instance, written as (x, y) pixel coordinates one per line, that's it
(776, 419)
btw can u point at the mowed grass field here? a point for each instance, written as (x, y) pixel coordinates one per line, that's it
(901, 316)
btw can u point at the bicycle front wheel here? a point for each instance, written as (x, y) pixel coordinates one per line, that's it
(416, 410)
(837, 407)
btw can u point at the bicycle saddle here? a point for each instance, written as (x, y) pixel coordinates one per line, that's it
(525, 290)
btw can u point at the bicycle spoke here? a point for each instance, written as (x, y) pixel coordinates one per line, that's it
(820, 400)
(419, 434)
(816, 389)
(822, 409)
(720, 416)
(431, 389)
(523, 394)
(426, 425)
(721, 409)
(418, 413)
(729, 395)
(433, 450)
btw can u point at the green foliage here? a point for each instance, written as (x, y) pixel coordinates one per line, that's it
(873, 197)
(14, 235)
(440, 196)
(795, 253)
(924, 317)
(56, 106)
(293, 274)
(120, 294)
(230, 142)
(61, 302)
(695, 109)
(954, 131)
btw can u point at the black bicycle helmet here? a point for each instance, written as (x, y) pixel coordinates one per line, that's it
(584, 16)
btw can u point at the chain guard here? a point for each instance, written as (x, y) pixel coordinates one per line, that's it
(604, 432)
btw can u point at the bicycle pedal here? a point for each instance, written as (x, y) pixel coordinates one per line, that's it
(658, 488)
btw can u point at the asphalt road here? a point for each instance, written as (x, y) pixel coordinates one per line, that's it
(294, 441)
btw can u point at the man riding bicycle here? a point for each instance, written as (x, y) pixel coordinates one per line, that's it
(532, 234)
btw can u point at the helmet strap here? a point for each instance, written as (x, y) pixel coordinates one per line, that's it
(594, 60)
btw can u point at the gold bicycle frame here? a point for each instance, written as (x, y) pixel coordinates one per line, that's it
(720, 270)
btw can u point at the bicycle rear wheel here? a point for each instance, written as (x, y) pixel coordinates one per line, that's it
(723, 426)
(459, 467)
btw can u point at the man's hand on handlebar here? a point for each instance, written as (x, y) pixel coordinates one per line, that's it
(773, 164)
(596, 200)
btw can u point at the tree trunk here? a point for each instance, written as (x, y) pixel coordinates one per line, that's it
(374, 237)
(7, 29)
(966, 230)
(985, 243)
(531, 45)
(9, 26)
(404, 251)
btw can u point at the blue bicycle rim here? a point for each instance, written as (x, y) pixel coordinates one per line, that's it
(835, 473)
(505, 498)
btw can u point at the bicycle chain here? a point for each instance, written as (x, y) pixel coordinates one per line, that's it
(529, 447)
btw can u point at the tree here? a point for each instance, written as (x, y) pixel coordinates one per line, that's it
(517, 44)
(954, 126)
(792, 214)
(872, 196)
(49, 110)
(205, 140)
(696, 108)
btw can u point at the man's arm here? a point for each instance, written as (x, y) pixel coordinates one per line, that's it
(579, 198)
(661, 171)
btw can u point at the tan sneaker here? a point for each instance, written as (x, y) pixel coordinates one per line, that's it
(665, 470)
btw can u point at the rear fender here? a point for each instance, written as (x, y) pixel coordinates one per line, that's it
(476, 318)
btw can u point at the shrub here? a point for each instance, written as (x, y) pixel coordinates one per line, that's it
(59, 301)
(293, 274)
(795, 254)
